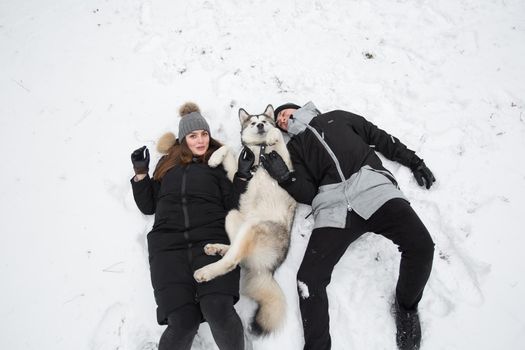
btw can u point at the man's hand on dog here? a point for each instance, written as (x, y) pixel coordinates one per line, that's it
(275, 166)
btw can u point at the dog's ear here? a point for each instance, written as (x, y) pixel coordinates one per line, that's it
(243, 115)
(269, 111)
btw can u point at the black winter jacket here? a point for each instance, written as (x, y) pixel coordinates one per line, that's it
(190, 204)
(353, 140)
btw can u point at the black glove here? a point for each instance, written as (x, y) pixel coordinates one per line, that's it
(140, 160)
(275, 166)
(245, 163)
(423, 175)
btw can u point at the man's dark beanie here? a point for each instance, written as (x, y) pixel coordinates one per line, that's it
(285, 106)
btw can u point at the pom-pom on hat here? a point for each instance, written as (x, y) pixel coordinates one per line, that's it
(191, 120)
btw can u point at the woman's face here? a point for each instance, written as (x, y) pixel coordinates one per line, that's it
(198, 142)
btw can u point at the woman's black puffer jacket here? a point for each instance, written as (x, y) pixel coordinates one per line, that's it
(190, 204)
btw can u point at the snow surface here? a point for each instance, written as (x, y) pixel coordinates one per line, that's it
(83, 83)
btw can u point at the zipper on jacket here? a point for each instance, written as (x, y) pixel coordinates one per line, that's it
(185, 201)
(332, 155)
(185, 211)
(329, 150)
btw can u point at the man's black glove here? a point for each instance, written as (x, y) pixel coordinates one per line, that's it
(422, 173)
(245, 163)
(275, 166)
(140, 160)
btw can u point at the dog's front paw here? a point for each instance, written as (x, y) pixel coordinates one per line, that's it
(273, 136)
(214, 249)
(218, 156)
(203, 275)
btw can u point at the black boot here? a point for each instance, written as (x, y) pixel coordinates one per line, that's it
(408, 335)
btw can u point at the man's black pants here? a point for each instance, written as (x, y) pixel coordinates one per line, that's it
(395, 220)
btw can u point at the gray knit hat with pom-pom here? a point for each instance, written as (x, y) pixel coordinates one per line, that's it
(191, 120)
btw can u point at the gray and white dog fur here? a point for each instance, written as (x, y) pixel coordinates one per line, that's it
(259, 230)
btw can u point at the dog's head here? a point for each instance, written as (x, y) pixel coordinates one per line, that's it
(254, 127)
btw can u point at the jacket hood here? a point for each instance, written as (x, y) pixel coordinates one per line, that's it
(165, 142)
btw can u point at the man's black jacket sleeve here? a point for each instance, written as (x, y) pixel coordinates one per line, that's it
(383, 142)
(300, 185)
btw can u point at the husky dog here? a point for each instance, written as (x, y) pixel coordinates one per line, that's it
(259, 231)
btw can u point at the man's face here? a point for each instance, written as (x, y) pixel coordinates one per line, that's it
(283, 116)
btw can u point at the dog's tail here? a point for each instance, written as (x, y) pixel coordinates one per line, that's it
(264, 289)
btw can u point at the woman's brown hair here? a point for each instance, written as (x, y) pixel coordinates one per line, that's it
(180, 154)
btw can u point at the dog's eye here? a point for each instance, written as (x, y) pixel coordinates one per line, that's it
(264, 122)
(253, 123)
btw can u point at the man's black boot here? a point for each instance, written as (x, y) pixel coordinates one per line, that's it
(408, 335)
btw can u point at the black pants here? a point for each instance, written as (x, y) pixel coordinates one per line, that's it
(218, 311)
(395, 220)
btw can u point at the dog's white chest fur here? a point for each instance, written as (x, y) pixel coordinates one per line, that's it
(265, 199)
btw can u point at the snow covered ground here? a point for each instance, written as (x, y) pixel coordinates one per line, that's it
(83, 83)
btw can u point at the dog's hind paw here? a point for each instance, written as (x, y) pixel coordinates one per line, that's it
(273, 136)
(218, 156)
(203, 275)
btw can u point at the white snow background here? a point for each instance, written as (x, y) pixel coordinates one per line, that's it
(84, 83)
